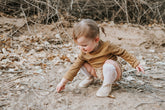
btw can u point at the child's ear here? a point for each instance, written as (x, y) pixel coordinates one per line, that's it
(97, 39)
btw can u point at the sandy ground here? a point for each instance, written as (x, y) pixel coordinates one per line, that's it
(32, 64)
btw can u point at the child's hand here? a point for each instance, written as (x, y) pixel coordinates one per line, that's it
(140, 68)
(93, 73)
(61, 85)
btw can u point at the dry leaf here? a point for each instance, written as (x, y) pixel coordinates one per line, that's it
(36, 73)
(112, 96)
(64, 57)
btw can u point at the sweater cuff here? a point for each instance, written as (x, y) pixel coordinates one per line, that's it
(68, 77)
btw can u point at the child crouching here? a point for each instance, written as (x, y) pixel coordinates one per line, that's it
(97, 58)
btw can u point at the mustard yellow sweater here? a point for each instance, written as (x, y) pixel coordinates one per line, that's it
(97, 58)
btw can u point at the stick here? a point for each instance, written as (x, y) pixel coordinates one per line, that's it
(126, 11)
(25, 19)
(160, 16)
(20, 71)
(143, 103)
(133, 70)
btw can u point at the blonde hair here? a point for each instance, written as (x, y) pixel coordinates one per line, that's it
(87, 28)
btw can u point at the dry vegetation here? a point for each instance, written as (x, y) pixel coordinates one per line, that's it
(47, 11)
(36, 49)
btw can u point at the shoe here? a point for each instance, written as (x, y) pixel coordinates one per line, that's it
(86, 82)
(104, 91)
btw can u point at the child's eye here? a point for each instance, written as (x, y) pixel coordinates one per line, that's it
(84, 45)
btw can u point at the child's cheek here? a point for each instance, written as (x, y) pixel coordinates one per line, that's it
(89, 49)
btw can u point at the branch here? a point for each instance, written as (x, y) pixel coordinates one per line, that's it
(25, 19)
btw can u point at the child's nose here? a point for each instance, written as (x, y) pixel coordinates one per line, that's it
(84, 48)
(79, 47)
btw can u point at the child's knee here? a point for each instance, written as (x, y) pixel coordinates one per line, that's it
(88, 67)
(109, 67)
(109, 73)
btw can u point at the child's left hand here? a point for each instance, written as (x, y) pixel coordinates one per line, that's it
(140, 68)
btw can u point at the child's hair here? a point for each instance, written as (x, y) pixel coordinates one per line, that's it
(87, 28)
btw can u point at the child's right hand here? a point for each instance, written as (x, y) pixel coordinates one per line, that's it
(61, 85)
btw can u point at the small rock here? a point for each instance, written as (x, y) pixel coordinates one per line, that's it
(157, 85)
(58, 36)
(151, 50)
(140, 82)
(130, 78)
(77, 91)
(11, 70)
(4, 51)
(111, 23)
(156, 77)
(160, 63)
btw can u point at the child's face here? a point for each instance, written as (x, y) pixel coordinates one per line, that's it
(87, 45)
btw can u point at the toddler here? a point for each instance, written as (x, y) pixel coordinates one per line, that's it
(97, 59)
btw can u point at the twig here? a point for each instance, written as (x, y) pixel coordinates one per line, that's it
(71, 4)
(33, 5)
(160, 16)
(25, 19)
(11, 34)
(20, 71)
(49, 5)
(133, 70)
(126, 11)
(143, 103)
(119, 5)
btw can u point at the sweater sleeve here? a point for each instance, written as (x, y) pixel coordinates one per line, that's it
(75, 67)
(115, 50)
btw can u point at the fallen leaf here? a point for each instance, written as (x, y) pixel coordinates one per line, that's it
(112, 96)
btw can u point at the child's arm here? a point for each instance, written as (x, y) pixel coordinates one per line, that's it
(126, 56)
(61, 85)
(71, 73)
(140, 68)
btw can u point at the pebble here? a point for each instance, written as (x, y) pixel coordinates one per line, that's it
(4, 51)
(11, 70)
(77, 91)
(156, 77)
(157, 85)
(58, 36)
(140, 82)
(160, 63)
(151, 50)
(44, 93)
(39, 71)
(61, 100)
(130, 78)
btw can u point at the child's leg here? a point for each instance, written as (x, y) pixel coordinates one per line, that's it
(86, 69)
(110, 75)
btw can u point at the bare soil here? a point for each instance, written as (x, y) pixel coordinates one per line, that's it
(33, 62)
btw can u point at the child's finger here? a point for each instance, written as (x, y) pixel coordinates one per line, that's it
(62, 88)
(93, 73)
(142, 69)
(57, 89)
(137, 68)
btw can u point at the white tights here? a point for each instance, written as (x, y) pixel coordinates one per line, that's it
(109, 73)
(85, 72)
